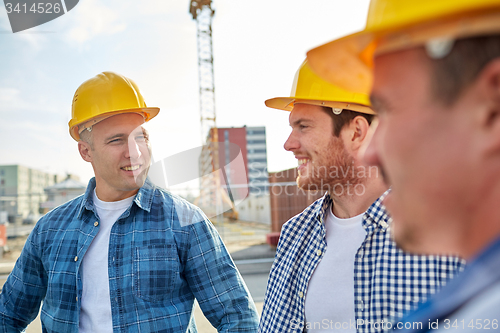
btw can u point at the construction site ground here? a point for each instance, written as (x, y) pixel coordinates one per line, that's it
(246, 241)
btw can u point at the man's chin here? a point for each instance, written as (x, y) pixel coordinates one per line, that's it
(408, 243)
(306, 184)
(140, 178)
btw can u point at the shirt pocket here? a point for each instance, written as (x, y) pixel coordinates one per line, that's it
(155, 271)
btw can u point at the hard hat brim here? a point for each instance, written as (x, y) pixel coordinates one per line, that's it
(287, 104)
(148, 113)
(348, 61)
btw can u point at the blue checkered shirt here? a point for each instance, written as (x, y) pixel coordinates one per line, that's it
(163, 253)
(387, 281)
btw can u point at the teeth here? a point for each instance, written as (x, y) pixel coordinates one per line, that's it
(303, 161)
(131, 168)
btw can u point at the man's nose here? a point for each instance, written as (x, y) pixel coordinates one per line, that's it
(292, 143)
(133, 151)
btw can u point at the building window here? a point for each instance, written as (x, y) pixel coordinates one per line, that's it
(263, 160)
(256, 151)
(256, 142)
(256, 132)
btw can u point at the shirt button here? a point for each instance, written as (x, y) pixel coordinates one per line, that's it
(361, 305)
(319, 252)
(301, 294)
(96, 224)
(76, 258)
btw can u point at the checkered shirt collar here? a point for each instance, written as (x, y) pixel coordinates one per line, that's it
(143, 198)
(374, 217)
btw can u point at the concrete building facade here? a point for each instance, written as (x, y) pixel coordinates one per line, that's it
(22, 190)
(62, 192)
(251, 142)
(242, 156)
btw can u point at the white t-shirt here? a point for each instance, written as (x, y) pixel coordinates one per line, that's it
(329, 303)
(95, 312)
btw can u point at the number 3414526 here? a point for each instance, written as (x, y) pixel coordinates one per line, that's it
(36, 8)
(478, 324)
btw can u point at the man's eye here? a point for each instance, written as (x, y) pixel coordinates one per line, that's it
(303, 126)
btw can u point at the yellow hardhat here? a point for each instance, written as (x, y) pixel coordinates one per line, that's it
(309, 88)
(105, 95)
(398, 24)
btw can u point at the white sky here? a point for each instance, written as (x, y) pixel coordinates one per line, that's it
(258, 46)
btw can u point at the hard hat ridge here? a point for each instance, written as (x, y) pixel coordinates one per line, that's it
(105, 95)
(309, 88)
(394, 25)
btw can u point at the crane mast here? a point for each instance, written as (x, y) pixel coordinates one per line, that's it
(202, 12)
(211, 193)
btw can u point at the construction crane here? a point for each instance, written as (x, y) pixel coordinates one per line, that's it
(203, 13)
(211, 192)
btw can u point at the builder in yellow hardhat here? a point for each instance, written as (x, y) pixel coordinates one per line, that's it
(434, 71)
(127, 255)
(332, 258)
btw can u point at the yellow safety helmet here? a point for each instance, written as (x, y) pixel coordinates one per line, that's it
(309, 88)
(105, 95)
(398, 24)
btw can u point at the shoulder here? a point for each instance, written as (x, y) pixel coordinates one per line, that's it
(179, 208)
(302, 228)
(65, 211)
(485, 307)
(308, 214)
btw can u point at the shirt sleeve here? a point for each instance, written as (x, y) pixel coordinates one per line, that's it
(24, 289)
(215, 280)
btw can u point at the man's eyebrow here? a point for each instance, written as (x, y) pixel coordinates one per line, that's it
(299, 121)
(115, 136)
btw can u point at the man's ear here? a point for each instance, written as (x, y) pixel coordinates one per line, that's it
(358, 129)
(489, 85)
(84, 149)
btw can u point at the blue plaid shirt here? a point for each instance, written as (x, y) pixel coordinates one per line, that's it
(387, 281)
(163, 253)
(469, 303)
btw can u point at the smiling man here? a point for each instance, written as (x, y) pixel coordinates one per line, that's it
(126, 256)
(336, 266)
(434, 68)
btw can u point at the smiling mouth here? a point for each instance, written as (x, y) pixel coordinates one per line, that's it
(132, 167)
(303, 161)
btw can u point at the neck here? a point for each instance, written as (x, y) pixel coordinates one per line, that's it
(356, 200)
(482, 228)
(109, 194)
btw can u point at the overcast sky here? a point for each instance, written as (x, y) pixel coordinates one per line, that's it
(258, 46)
